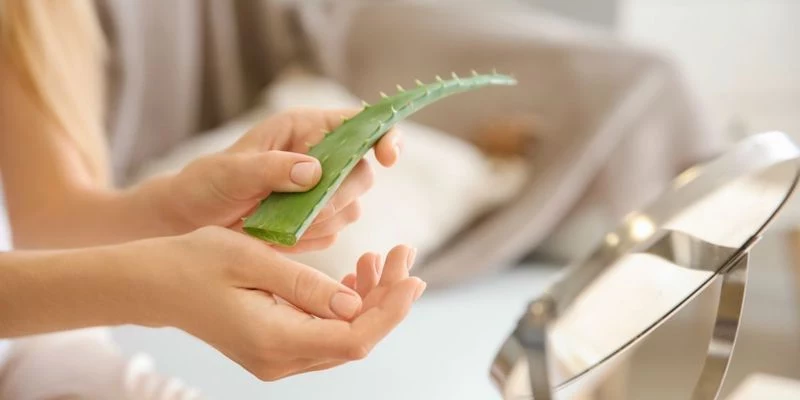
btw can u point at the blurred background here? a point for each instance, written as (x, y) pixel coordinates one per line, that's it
(732, 69)
(740, 54)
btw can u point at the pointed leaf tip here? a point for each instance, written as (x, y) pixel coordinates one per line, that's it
(400, 88)
(438, 78)
(453, 74)
(419, 82)
(364, 103)
(383, 95)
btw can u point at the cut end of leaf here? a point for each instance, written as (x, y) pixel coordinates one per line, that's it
(280, 238)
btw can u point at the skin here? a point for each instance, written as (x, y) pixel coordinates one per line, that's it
(218, 285)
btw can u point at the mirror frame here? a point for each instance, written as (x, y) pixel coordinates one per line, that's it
(528, 342)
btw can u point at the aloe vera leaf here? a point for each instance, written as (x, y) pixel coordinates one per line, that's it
(282, 218)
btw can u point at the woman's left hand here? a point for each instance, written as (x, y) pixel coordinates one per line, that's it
(222, 188)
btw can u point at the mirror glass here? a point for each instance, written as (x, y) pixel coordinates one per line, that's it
(654, 264)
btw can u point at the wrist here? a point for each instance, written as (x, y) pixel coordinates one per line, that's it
(157, 199)
(100, 216)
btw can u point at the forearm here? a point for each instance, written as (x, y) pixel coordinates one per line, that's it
(53, 198)
(90, 217)
(43, 292)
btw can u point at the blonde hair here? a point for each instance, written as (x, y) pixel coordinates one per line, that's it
(57, 48)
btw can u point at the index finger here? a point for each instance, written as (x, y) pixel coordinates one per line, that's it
(291, 130)
(306, 288)
(336, 339)
(312, 125)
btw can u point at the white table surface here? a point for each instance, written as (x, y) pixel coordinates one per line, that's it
(442, 351)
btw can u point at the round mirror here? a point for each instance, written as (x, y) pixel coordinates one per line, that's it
(654, 263)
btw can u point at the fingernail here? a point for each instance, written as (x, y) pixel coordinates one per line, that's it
(420, 290)
(411, 256)
(303, 173)
(345, 305)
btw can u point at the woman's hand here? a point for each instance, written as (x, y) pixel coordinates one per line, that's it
(221, 287)
(46, 185)
(273, 316)
(374, 281)
(222, 188)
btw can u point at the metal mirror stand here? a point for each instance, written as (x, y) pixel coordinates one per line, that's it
(531, 331)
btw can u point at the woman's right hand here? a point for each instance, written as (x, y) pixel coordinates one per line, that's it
(221, 286)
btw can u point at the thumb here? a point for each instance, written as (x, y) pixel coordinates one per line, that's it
(244, 176)
(309, 289)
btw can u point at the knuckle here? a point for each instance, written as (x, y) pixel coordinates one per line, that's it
(326, 213)
(211, 234)
(208, 162)
(206, 232)
(270, 160)
(321, 243)
(269, 374)
(287, 118)
(355, 212)
(357, 350)
(306, 286)
(276, 167)
(331, 240)
(296, 118)
(221, 172)
(326, 242)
